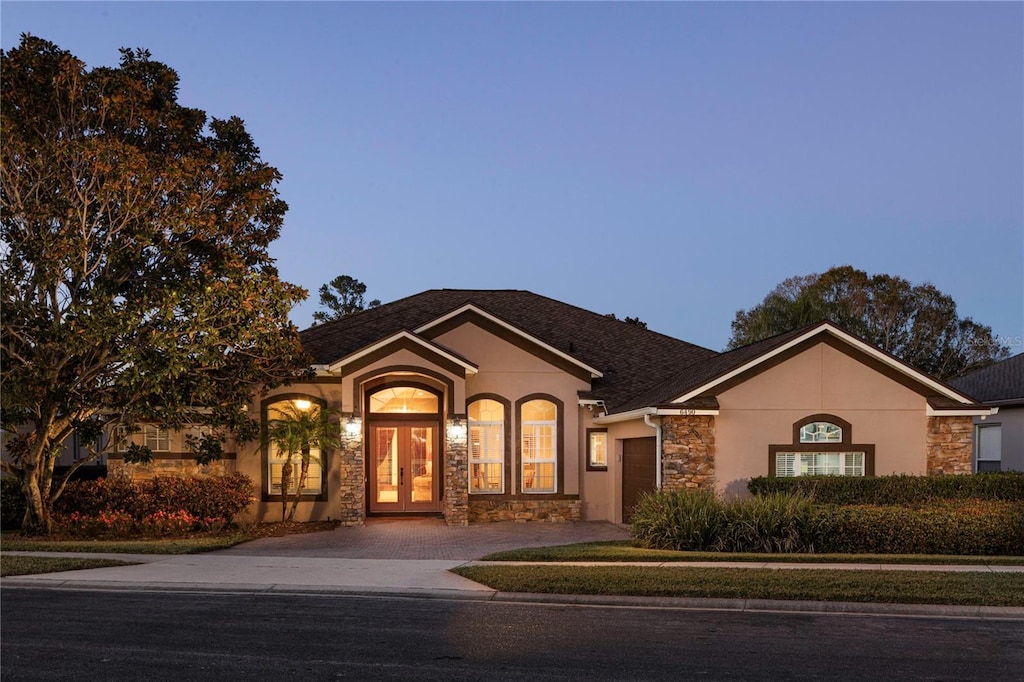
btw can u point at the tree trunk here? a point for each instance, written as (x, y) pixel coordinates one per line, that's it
(37, 519)
(286, 484)
(303, 475)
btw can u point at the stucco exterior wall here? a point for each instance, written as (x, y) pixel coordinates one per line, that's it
(248, 461)
(601, 491)
(400, 358)
(511, 372)
(762, 410)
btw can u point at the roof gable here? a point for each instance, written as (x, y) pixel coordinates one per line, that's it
(710, 377)
(629, 358)
(469, 311)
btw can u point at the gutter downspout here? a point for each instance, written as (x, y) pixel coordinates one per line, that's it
(657, 449)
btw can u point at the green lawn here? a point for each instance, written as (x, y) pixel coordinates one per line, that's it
(16, 543)
(621, 550)
(896, 587)
(27, 565)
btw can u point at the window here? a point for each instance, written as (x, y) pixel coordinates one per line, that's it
(124, 438)
(277, 456)
(821, 432)
(819, 464)
(597, 450)
(538, 453)
(486, 447)
(990, 447)
(404, 399)
(821, 446)
(157, 439)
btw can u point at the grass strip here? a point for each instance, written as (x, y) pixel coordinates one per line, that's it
(621, 550)
(890, 587)
(156, 546)
(29, 565)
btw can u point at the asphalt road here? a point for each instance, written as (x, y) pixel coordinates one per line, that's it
(95, 635)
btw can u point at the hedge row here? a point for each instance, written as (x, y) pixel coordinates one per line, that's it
(12, 503)
(218, 497)
(901, 489)
(780, 522)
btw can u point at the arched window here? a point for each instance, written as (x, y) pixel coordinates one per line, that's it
(486, 447)
(280, 410)
(538, 444)
(403, 400)
(821, 447)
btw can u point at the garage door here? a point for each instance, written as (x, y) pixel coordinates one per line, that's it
(638, 472)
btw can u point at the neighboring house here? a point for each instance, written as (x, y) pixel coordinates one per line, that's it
(506, 405)
(998, 439)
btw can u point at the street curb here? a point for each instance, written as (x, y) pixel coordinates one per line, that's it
(681, 603)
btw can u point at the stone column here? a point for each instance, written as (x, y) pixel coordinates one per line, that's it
(688, 452)
(455, 503)
(950, 445)
(352, 487)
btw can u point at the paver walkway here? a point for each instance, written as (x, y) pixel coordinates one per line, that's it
(427, 539)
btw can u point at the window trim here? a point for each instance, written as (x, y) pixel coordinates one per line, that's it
(506, 437)
(590, 462)
(845, 445)
(559, 443)
(156, 436)
(265, 494)
(977, 447)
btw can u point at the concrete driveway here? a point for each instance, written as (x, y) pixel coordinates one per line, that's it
(427, 539)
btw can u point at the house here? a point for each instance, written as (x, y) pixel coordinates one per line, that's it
(510, 406)
(998, 439)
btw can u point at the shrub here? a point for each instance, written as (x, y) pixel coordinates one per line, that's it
(686, 520)
(900, 489)
(950, 527)
(12, 503)
(101, 525)
(216, 498)
(776, 522)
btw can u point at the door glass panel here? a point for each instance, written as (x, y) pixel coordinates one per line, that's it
(386, 463)
(421, 463)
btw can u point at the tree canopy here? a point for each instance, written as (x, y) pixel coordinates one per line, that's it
(341, 297)
(136, 280)
(917, 323)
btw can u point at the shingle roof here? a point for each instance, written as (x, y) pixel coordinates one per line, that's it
(702, 372)
(631, 358)
(996, 383)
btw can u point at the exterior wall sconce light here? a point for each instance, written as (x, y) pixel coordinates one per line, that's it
(352, 425)
(457, 428)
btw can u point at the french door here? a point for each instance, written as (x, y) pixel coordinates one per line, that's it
(404, 467)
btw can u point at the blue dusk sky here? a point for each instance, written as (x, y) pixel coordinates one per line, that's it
(668, 161)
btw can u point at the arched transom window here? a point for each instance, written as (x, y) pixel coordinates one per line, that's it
(821, 432)
(404, 399)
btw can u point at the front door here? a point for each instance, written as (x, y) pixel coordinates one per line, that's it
(404, 467)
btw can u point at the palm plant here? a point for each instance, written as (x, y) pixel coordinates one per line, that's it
(296, 433)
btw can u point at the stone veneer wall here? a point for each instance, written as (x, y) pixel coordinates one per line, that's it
(185, 467)
(688, 452)
(455, 502)
(950, 445)
(521, 511)
(352, 486)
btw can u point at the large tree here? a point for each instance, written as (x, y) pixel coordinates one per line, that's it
(917, 323)
(136, 281)
(341, 297)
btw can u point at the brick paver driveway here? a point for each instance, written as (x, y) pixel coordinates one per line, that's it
(428, 539)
